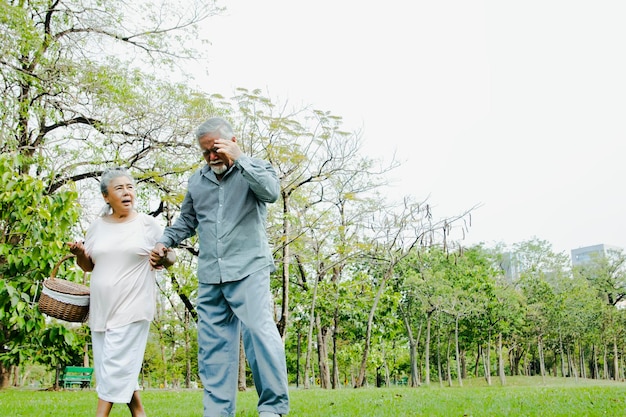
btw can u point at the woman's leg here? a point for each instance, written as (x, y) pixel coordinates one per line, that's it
(135, 406)
(104, 408)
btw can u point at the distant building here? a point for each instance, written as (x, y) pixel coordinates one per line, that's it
(510, 265)
(583, 255)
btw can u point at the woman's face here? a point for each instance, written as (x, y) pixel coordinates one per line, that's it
(121, 195)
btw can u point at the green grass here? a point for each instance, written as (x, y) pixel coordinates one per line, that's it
(520, 397)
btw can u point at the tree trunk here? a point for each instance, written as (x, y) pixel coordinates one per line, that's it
(583, 368)
(164, 361)
(282, 322)
(616, 374)
(335, 366)
(562, 356)
(57, 373)
(427, 350)
(16, 376)
(594, 358)
(5, 377)
(516, 355)
(439, 364)
(542, 364)
(486, 365)
(298, 353)
(187, 351)
(479, 352)
(309, 345)
(572, 364)
(605, 361)
(414, 377)
(322, 354)
(386, 380)
(449, 361)
(456, 347)
(501, 373)
(368, 334)
(487, 360)
(241, 375)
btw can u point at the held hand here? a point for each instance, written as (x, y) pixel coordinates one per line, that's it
(168, 259)
(77, 248)
(158, 256)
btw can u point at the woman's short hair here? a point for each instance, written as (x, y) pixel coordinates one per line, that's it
(110, 174)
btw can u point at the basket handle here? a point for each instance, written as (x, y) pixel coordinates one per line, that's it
(54, 271)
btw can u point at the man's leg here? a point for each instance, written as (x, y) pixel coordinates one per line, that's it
(250, 300)
(218, 351)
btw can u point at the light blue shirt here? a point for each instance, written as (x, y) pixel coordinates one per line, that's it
(230, 218)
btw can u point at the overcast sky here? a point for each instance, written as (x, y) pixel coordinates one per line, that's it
(517, 106)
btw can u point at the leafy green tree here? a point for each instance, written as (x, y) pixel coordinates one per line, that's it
(34, 227)
(606, 274)
(541, 272)
(425, 288)
(321, 174)
(396, 230)
(82, 90)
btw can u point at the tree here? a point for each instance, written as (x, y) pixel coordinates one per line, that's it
(72, 107)
(33, 230)
(395, 233)
(424, 279)
(318, 164)
(606, 274)
(541, 271)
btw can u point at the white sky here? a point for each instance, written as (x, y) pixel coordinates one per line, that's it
(515, 105)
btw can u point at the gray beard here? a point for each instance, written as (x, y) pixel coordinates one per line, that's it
(218, 169)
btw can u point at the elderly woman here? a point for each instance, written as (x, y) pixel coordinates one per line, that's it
(122, 303)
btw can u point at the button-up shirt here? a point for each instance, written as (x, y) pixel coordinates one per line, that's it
(230, 218)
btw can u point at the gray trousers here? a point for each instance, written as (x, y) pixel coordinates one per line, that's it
(222, 310)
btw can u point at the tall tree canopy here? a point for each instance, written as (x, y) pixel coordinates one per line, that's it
(81, 91)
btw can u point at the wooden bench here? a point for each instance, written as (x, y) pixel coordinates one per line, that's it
(76, 375)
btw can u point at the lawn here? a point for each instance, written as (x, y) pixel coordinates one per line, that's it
(521, 397)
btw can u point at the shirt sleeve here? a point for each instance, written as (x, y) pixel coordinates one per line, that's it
(154, 229)
(261, 177)
(184, 226)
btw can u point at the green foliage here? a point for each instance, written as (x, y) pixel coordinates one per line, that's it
(71, 108)
(83, 89)
(34, 227)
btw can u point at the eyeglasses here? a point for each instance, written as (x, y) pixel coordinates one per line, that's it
(207, 152)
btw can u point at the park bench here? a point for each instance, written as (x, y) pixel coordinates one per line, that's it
(76, 375)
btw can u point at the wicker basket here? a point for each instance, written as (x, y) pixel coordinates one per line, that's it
(62, 299)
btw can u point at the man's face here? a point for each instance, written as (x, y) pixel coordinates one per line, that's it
(218, 162)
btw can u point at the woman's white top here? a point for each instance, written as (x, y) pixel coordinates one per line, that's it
(123, 284)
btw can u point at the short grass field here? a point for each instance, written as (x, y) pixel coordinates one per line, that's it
(521, 396)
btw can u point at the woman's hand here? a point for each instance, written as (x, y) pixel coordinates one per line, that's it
(162, 257)
(82, 259)
(77, 248)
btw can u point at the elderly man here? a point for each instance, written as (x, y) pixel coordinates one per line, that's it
(226, 205)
